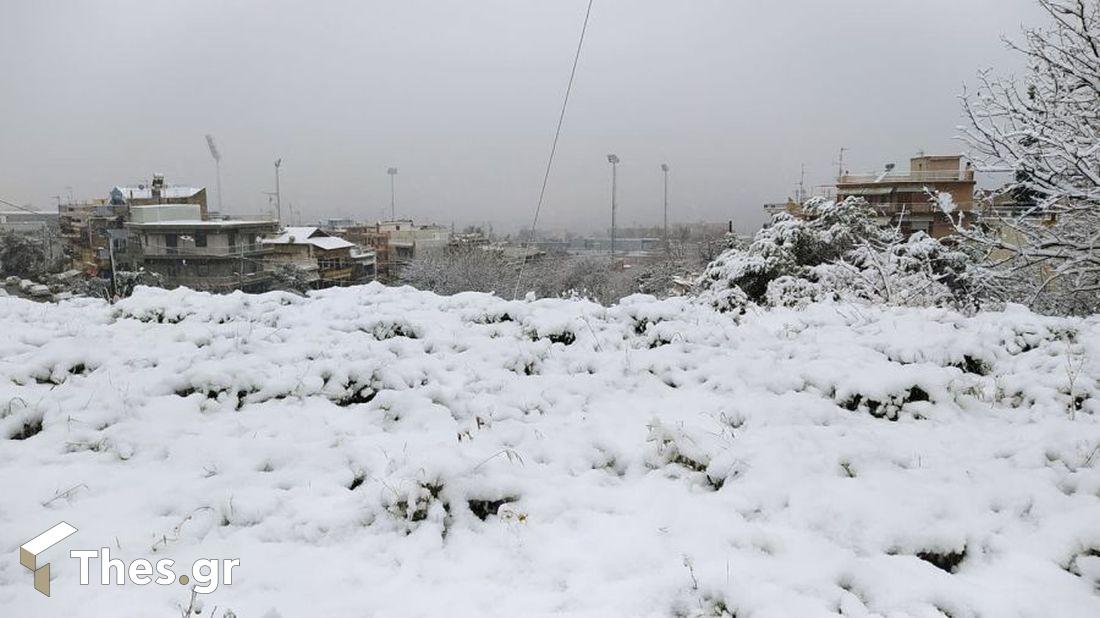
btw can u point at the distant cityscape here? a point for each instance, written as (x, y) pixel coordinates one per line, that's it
(168, 235)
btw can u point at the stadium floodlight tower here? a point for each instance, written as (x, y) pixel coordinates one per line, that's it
(217, 166)
(613, 159)
(665, 169)
(278, 193)
(393, 192)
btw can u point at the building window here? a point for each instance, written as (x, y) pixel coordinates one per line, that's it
(171, 241)
(200, 239)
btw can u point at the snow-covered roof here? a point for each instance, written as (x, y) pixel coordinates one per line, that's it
(308, 236)
(193, 223)
(330, 243)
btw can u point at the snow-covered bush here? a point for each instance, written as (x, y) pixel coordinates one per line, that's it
(837, 251)
(480, 456)
(919, 271)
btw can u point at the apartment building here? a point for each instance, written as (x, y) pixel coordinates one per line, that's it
(322, 259)
(215, 256)
(397, 242)
(902, 198)
(93, 235)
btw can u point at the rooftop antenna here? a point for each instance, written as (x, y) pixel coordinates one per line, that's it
(802, 185)
(217, 166)
(840, 163)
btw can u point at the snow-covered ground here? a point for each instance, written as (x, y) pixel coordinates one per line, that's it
(389, 452)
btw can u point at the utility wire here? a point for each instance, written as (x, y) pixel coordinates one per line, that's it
(23, 208)
(554, 147)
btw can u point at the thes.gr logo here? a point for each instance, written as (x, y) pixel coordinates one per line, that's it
(32, 549)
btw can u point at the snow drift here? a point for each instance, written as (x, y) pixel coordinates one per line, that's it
(389, 452)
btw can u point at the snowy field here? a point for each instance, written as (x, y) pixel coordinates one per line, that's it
(388, 452)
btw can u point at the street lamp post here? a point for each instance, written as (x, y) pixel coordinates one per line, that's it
(665, 169)
(393, 192)
(614, 161)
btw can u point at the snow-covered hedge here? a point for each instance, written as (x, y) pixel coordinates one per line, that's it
(374, 451)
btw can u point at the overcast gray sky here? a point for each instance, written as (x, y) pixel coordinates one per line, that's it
(463, 95)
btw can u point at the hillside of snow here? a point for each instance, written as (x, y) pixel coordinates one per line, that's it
(387, 452)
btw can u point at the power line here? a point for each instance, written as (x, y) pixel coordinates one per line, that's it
(554, 147)
(23, 208)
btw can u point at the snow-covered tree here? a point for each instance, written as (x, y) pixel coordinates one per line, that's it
(585, 277)
(838, 251)
(291, 278)
(460, 269)
(473, 269)
(21, 255)
(1045, 129)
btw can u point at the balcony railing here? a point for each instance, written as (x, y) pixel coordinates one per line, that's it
(916, 208)
(239, 251)
(910, 176)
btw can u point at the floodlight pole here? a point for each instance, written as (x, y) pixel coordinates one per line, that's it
(665, 168)
(393, 192)
(218, 171)
(278, 195)
(217, 155)
(614, 161)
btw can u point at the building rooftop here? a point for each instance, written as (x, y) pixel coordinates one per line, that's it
(145, 192)
(195, 223)
(922, 169)
(308, 236)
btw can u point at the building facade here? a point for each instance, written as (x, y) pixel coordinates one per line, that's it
(903, 199)
(323, 260)
(215, 256)
(94, 236)
(395, 243)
